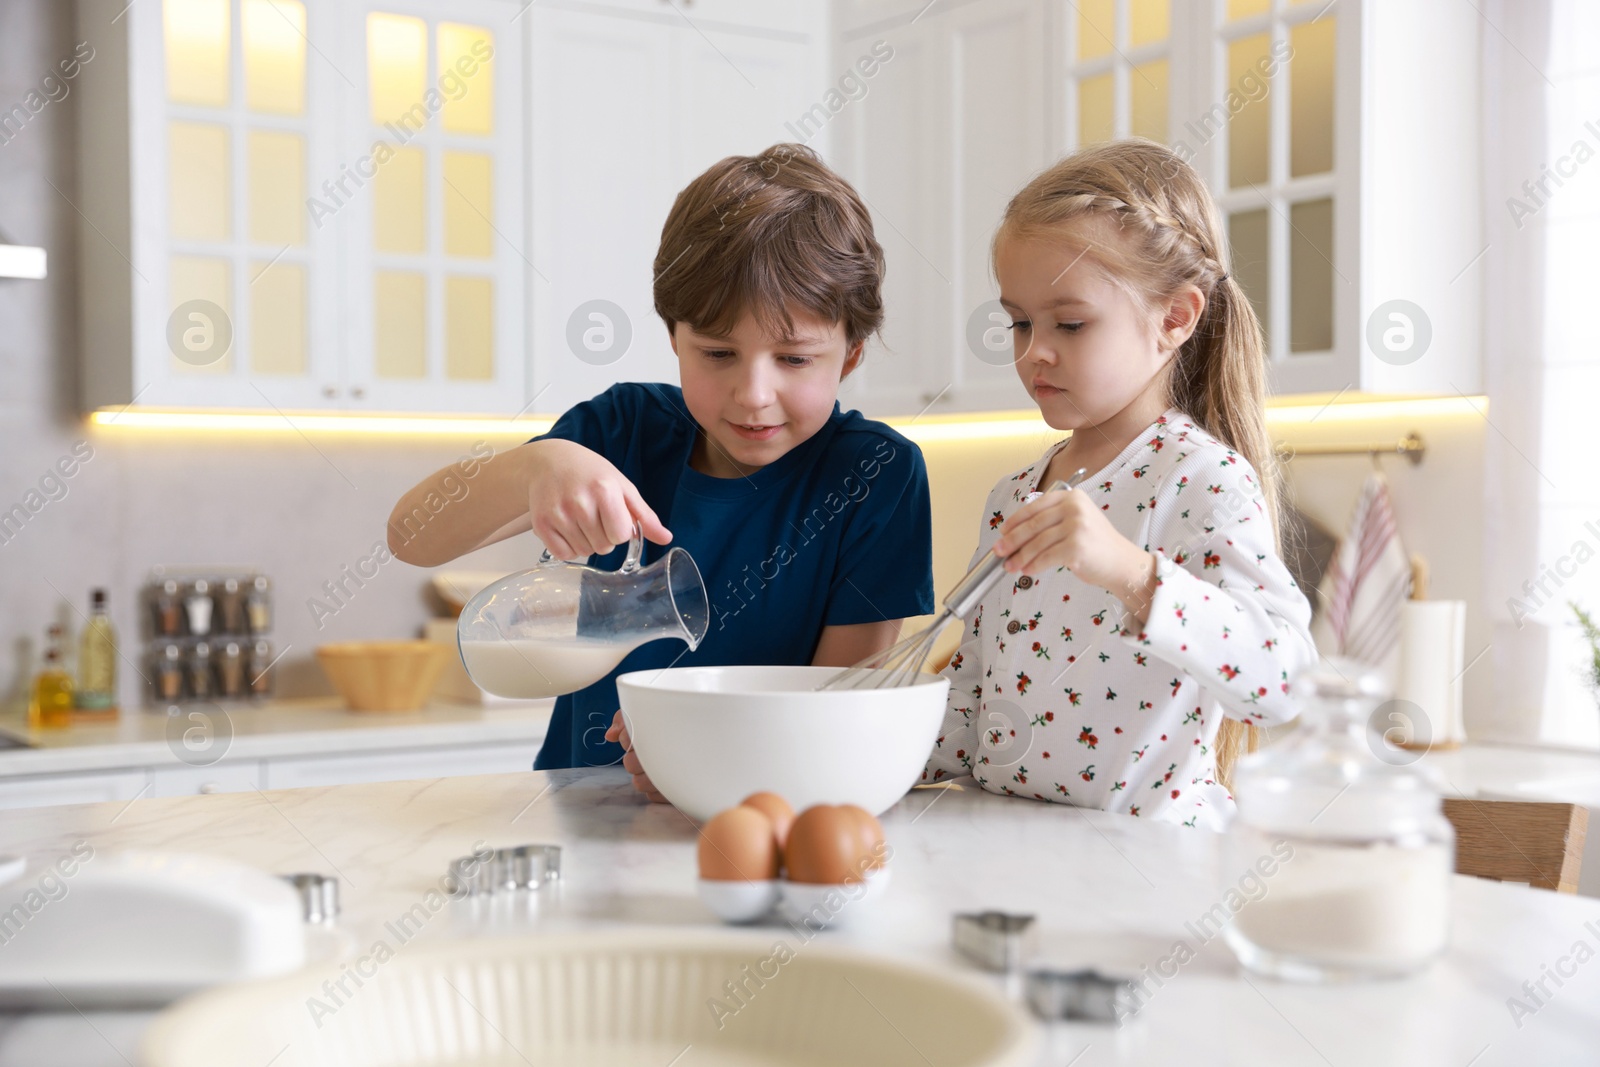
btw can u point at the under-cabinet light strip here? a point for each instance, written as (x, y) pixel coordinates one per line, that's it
(921, 429)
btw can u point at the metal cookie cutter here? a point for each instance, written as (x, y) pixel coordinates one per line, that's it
(1081, 995)
(994, 940)
(319, 896)
(504, 869)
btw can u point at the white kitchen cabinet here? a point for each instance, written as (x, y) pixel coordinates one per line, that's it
(951, 125)
(1311, 121)
(227, 776)
(743, 16)
(1367, 276)
(273, 224)
(40, 790)
(399, 766)
(858, 16)
(294, 206)
(627, 110)
(277, 772)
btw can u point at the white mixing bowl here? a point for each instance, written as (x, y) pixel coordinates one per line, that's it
(710, 736)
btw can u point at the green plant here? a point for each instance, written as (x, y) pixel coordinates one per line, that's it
(1591, 631)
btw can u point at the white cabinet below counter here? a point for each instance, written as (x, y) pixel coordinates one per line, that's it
(400, 766)
(239, 776)
(39, 790)
(286, 745)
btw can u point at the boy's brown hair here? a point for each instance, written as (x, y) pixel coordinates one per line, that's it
(764, 235)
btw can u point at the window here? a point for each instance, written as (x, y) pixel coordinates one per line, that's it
(339, 207)
(1272, 76)
(1244, 89)
(1119, 70)
(237, 137)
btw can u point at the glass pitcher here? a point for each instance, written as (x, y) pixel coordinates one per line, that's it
(1340, 858)
(562, 626)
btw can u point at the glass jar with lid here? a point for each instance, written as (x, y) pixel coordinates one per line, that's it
(1340, 857)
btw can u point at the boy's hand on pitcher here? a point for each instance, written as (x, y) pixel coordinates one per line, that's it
(580, 505)
(1064, 528)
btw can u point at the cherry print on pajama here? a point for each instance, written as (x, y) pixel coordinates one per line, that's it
(1225, 629)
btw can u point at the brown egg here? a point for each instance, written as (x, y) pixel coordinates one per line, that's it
(738, 845)
(775, 808)
(873, 846)
(825, 847)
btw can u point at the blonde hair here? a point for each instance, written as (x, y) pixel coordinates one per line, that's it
(1172, 237)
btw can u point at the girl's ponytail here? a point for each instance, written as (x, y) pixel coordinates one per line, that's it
(1220, 382)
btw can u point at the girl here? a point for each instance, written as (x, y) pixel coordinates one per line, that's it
(1146, 616)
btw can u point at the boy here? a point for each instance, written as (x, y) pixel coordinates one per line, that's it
(811, 526)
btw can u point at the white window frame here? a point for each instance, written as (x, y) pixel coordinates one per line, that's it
(504, 393)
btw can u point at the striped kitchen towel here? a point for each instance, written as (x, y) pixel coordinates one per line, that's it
(1367, 582)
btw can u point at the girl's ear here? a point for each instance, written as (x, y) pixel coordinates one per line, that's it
(852, 359)
(1182, 316)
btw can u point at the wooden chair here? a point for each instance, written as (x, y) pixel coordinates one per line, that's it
(1519, 841)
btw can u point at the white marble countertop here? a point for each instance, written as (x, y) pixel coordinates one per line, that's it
(1483, 769)
(1108, 890)
(312, 726)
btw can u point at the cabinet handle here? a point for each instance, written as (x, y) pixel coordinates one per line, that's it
(210, 787)
(357, 391)
(329, 391)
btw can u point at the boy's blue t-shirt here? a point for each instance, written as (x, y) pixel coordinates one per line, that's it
(838, 531)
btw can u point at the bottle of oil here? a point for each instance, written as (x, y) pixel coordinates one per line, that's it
(51, 703)
(97, 661)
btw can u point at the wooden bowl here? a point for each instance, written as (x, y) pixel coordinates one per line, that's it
(384, 675)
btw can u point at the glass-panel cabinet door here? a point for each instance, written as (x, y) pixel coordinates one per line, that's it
(1273, 167)
(1119, 70)
(242, 301)
(438, 250)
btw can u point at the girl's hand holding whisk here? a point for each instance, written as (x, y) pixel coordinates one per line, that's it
(1065, 528)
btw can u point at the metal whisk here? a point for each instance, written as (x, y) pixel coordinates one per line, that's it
(900, 664)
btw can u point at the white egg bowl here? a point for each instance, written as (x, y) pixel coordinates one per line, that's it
(621, 998)
(710, 736)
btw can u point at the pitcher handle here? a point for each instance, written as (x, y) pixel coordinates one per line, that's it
(629, 565)
(635, 550)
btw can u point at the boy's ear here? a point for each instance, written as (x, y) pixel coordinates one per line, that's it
(852, 359)
(672, 337)
(1182, 316)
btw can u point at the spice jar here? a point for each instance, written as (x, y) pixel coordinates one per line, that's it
(167, 673)
(258, 605)
(166, 610)
(230, 607)
(261, 669)
(230, 670)
(197, 607)
(201, 682)
(1339, 862)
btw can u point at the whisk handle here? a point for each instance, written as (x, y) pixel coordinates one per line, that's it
(971, 589)
(980, 579)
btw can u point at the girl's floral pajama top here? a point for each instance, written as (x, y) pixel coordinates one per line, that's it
(1056, 695)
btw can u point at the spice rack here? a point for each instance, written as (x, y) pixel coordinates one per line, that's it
(207, 634)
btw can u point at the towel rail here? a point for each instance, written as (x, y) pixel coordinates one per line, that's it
(1409, 446)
